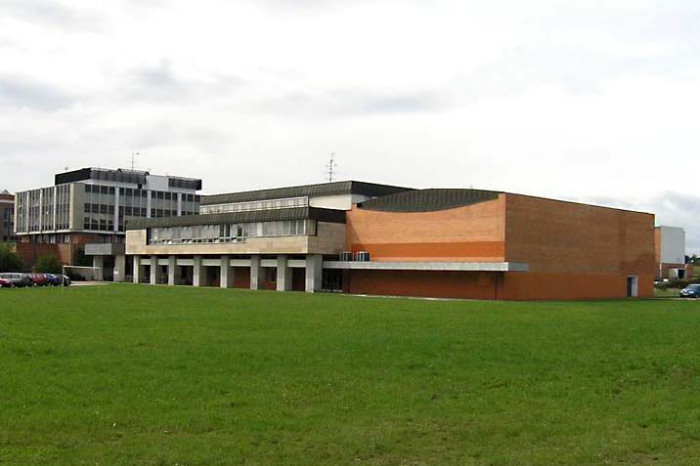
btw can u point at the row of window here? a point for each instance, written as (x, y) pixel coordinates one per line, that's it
(101, 224)
(129, 192)
(266, 204)
(229, 233)
(130, 211)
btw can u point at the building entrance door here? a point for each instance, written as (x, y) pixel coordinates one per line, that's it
(632, 287)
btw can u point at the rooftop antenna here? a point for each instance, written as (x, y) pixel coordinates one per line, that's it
(133, 160)
(331, 167)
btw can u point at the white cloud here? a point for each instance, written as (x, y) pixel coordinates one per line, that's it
(576, 100)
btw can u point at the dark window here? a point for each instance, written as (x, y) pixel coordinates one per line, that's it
(104, 189)
(88, 188)
(103, 208)
(111, 209)
(87, 207)
(111, 190)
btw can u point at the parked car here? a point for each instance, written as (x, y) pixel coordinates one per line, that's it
(39, 279)
(53, 279)
(17, 280)
(5, 283)
(691, 291)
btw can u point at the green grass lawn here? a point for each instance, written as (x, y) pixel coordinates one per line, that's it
(128, 374)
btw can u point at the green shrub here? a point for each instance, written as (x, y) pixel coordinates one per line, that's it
(48, 264)
(10, 261)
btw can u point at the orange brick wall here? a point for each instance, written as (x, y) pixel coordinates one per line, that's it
(30, 252)
(576, 250)
(471, 233)
(476, 285)
(537, 285)
(65, 252)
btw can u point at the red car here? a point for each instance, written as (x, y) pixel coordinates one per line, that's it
(38, 279)
(5, 283)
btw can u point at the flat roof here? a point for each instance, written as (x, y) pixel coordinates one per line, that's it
(122, 175)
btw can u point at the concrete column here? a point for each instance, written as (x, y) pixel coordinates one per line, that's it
(154, 270)
(256, 273)
(173, 270)
(284, 274)
(98, 262)
(137, 269)
(314, 272)
(198, 274)
(226, 275)
(119, 267)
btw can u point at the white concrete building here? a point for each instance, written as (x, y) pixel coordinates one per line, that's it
(670, 253)
(270, 238)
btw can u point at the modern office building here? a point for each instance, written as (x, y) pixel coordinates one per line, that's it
(367, 238)
(7, 216)
(669, 254)
(86, 211)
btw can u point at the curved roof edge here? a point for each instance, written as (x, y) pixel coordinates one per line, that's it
(428, 200)
(311, 190)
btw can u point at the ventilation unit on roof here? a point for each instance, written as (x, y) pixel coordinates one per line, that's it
(346, 256)
(362, 256)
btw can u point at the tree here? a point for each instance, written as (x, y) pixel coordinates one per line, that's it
(10, 261)
(48, 264)
(81, 259)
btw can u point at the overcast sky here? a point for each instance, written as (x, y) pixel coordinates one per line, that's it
(593, 101)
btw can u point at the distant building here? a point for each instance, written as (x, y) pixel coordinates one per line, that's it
(7, 216)
(89, 209)
(366, 238)
(669, 254)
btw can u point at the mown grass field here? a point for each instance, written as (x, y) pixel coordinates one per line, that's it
(127, 374)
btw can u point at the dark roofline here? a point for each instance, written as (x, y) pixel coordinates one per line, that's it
(311, 190)
(428, 200)
(119, 175)
(272, 215)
